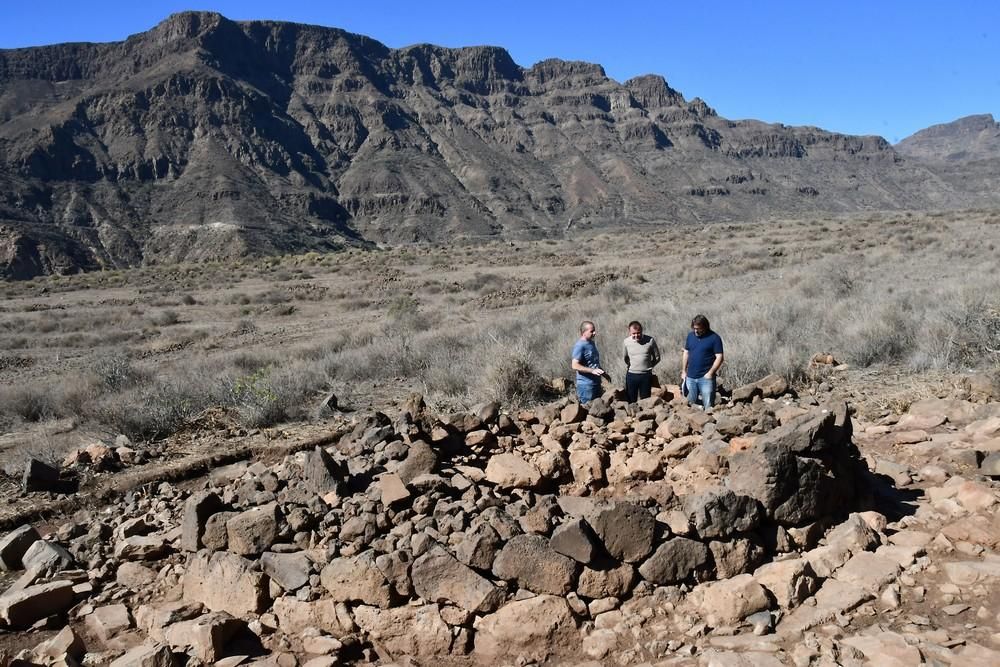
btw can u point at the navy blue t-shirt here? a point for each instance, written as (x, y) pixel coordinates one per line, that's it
(701, 352)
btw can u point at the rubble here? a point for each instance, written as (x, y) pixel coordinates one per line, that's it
(612, 532)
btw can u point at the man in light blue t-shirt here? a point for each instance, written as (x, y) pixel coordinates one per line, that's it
(700, 362)
(587, 364)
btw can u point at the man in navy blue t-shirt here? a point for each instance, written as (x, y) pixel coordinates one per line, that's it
(587, 364)
(701, 361)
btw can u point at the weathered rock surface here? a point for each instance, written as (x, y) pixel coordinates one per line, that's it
(535, 629)
(225, 582)
(13, 546)
(674, 561)
(533, 564)
(626, 531)
(439, 577)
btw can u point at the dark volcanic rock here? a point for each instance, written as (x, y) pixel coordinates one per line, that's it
(529, 560)
(674, 561)
(626, 530)
(802, 471)
(197, 510)
(722, 514)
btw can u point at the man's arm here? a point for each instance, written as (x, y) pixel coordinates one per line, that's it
(625, 348)
(580, 368)
(684, 364)
(654, 354)
(715, 365)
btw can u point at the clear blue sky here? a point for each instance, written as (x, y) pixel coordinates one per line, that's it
(887, 67)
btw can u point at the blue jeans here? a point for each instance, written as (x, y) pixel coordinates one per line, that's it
(705, 387)
(587, 391)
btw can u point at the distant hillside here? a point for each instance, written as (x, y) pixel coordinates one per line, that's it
(963, 140)
(208, 138)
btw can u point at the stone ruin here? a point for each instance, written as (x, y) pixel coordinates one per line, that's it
(480, 537)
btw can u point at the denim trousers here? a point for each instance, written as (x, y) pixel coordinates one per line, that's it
(703, 386)
(587, 391)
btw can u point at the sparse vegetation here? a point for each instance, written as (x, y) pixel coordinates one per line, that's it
(142, 351)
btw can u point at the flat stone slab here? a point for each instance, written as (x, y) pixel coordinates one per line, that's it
(24, 607)
(911, 538)
(886, 649)
(716, 658)
(868, 571)
(835, 597)
(966, 573)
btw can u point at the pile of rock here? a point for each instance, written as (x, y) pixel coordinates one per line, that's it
(491, 534)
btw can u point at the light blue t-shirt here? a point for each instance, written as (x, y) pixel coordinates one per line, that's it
(586, 353)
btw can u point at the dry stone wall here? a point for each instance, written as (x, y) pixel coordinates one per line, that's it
(483, 534)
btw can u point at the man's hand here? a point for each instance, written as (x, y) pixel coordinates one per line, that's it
(597, 371)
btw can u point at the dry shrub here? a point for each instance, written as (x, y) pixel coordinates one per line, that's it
(512, 377)
(152, 411)
(30, 402)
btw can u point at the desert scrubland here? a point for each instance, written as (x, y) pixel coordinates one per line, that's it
(140, 351)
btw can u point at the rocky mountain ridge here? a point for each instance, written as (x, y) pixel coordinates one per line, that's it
(969, 138)
(206, 138)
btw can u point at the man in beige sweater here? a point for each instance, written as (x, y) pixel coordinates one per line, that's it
(641, 355)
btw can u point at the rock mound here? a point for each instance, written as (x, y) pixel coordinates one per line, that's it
(432, 536)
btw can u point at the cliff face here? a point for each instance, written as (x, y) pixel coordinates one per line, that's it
(208, 138)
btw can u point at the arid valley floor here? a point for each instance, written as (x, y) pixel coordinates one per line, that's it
(359, 524)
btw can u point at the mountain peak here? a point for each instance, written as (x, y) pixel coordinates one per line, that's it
(967, 138)
(186, 25)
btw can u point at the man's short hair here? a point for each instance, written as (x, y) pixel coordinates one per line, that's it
(702, 321)
(585, 324)
(634, 324)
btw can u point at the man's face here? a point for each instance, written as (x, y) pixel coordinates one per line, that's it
(699, 330)
(635, 333)
(589, 333)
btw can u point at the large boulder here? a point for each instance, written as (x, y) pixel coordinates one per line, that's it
(479, 547)
(716, 514)
(406, 631)
(789, 581)
(294, 616)
(357, 579)
(19, 609)
(146, 655)
(529, 560)
(420, 459)
(802, 471)
(674, 561)
(289, 570)
(13, 546)
(576, 540)
(197, 510)
(439, 577)
(45, 555)
(731, 600)
(252, 532)
(223, 581)
(510, 471)
(321, 473)
(610, 583)
(627, 531)
(533, 629)
(205, 637)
